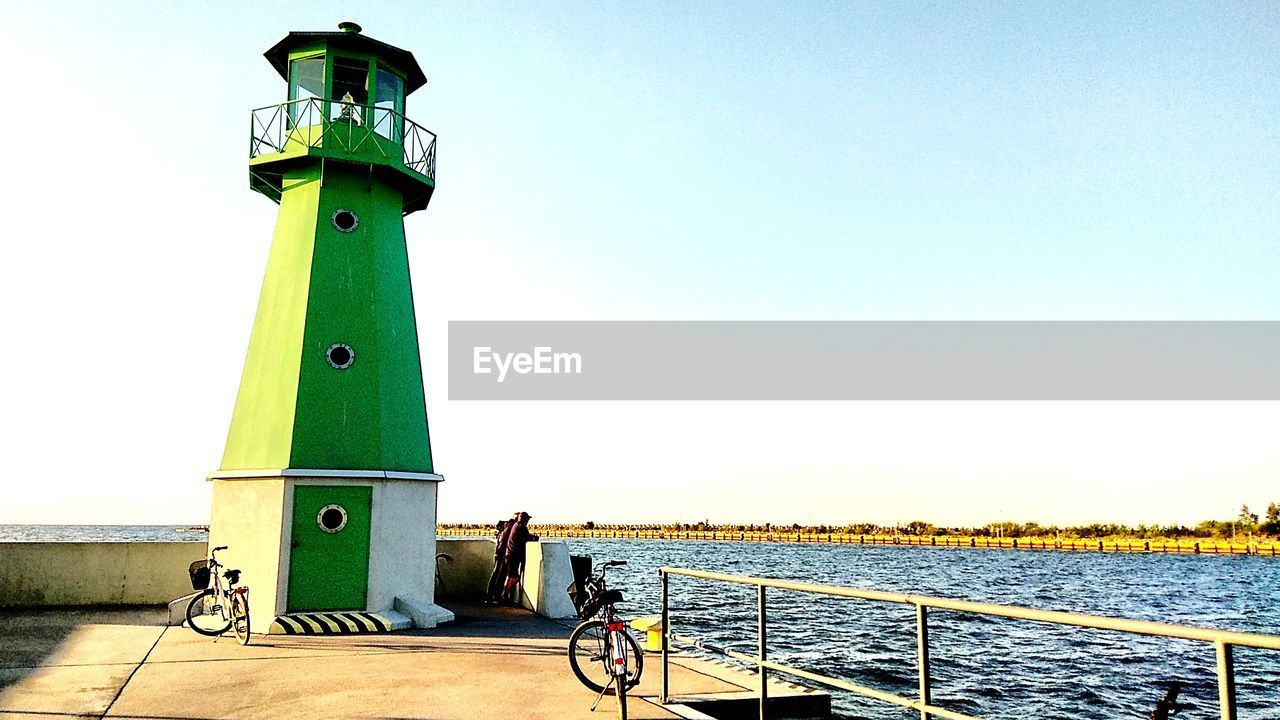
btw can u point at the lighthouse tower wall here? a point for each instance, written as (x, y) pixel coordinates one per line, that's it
(325, 286)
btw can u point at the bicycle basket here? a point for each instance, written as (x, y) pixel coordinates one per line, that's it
(578, 597)
(199, 572)
(590, 606)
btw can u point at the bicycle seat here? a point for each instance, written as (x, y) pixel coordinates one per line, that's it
(232, 576)
(611, 597)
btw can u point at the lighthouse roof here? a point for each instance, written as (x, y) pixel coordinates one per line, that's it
(349, 38)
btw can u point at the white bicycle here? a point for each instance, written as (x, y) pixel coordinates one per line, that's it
(221, 605)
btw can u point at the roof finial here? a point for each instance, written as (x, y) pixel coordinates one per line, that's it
(349, 27)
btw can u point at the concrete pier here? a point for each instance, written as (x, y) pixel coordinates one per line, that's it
(126, 663)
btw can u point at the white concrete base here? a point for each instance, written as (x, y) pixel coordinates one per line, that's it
(423, 615)
(253, 515)
(178, 609)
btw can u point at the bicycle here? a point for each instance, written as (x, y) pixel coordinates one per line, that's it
(448, 560)
(603, 655)
(219, 607)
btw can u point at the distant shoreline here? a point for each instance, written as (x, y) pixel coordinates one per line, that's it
(1265, 547)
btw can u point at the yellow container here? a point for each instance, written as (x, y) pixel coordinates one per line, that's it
(651, 626)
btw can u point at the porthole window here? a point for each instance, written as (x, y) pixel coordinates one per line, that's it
(345, 220)
(332, 518)
(340, 355)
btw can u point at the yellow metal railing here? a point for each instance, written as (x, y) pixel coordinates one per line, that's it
(1222, 640)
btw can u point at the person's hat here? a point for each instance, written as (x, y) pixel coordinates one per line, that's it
(524, 514)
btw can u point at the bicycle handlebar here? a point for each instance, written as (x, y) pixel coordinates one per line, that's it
(613, 563)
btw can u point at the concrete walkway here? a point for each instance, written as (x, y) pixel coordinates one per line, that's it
(491, 663)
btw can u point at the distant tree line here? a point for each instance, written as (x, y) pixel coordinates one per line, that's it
(1246, 523)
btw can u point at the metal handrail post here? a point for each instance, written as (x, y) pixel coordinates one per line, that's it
(763, 653)
(922, 659)
(1226, 681)
(666, 645)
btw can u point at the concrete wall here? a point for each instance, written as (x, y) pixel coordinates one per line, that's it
(34, 574)
(467, 577)
(127, 573)
(546, 576)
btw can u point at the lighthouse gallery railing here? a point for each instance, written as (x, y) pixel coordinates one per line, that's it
(349, 127)
(1222, 640)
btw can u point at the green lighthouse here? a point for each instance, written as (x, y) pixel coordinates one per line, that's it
(326, 495)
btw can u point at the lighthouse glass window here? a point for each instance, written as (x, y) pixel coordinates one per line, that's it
(388, 103)
(306, 81)
(350, 89)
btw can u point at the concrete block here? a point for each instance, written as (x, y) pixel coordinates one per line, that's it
(178, 609)
(423, 615)
(547, 576)
(397, 620)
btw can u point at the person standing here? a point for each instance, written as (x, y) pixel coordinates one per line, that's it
(518, 536)
(498, 577)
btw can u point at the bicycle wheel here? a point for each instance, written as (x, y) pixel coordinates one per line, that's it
(589, 656)
(207, 615)
(240, 617)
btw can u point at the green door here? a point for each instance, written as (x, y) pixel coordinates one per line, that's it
(329, 562)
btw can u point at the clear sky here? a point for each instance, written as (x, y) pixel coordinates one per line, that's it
(741, 161)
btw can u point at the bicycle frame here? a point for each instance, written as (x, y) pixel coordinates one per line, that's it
(614, 630)
(221, 587)
(224, 588)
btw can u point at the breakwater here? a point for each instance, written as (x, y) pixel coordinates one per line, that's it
(1183, 546)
